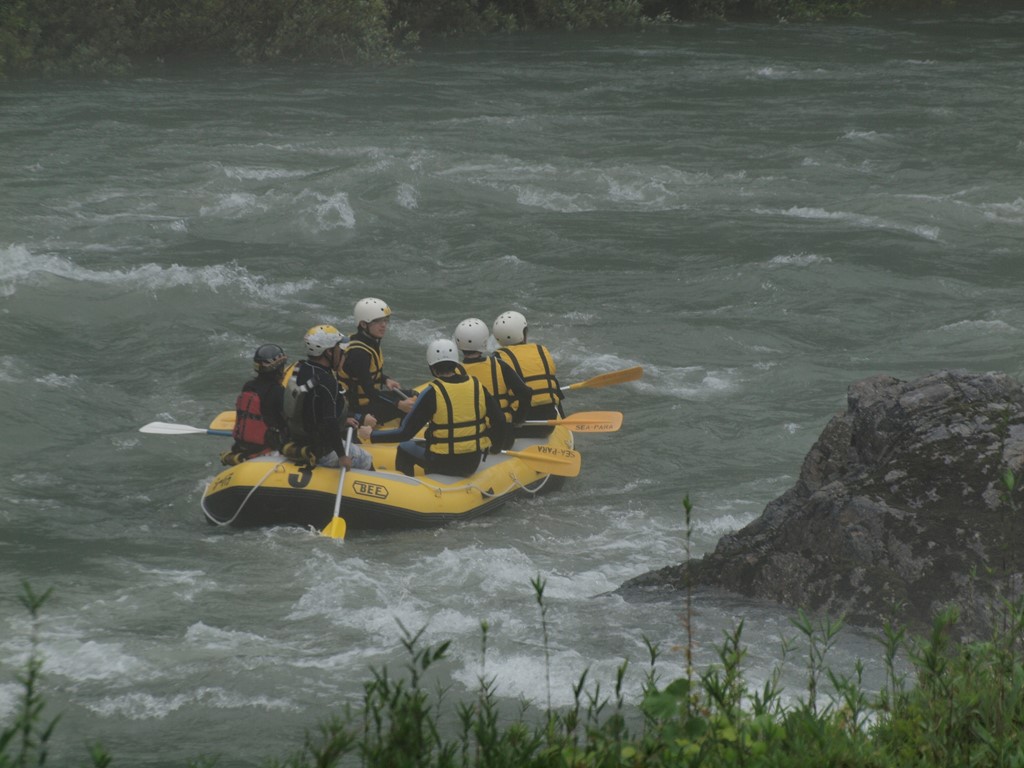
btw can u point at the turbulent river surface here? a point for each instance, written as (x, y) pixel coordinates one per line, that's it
(758, 215)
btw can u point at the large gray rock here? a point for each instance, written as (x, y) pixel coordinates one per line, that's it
(899, 510)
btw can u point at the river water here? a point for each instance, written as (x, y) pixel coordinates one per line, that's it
(757, 215)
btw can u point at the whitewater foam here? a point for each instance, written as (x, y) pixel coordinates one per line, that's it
(798, 260)
(858, 219)
(146, 706)
(19, 265)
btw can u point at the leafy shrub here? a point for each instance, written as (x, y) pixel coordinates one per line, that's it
(966, 708)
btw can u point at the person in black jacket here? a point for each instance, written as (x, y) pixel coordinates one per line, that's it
(315, 407)
(370, 390)
(259, 408)
(463, 422)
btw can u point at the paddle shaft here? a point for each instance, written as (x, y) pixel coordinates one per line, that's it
(341, 480)
(608, 379)
(563, 462)
(585, 421)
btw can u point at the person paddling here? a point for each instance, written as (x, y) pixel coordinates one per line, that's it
(498, 377)
(463, 422)
(535, 366)
(369, 389)
(314, 405)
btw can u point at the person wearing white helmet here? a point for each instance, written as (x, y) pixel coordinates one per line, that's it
(535, 365)
(369, 389)
(498, 377)
(462, 421)
(315, 407)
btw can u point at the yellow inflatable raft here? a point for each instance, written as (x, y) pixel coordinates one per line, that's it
(271, 490)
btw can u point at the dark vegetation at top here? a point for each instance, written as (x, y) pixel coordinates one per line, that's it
(65, 37)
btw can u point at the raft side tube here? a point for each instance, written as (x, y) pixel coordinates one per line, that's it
(269, 491)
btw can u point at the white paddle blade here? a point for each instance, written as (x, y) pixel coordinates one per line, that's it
(166, 428)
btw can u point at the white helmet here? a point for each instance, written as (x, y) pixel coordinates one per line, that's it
(321, 338)
(440, 351)
(471, 335)
(368, 310)
(510, 328)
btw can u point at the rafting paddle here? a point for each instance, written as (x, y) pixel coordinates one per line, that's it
(337, 527)
(226, 419)
(585, 421)
(607, 379)
(223, 420)
(166, 428)
(551, 461)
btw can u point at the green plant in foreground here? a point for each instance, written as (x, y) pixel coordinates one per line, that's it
(966, 708)
(26, 741)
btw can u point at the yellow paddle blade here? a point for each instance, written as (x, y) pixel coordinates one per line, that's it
(223, 420)
(607, 379)
(587, 421)
(551, 461)
(336, 528)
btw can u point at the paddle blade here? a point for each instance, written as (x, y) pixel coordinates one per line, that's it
(608, 379)
(336, 528)
(587, 421)
(223, 420)
(551, 461)
(166, 428)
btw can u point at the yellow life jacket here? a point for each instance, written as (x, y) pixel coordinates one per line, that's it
(459, 423)
(376, 371)
(534, 364)
(492, 376)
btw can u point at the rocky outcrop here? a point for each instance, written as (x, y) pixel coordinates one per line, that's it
(899, 511)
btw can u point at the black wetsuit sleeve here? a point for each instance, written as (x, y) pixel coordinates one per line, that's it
(520, 389)
(273, 411)
(496, 417)
(413, 422)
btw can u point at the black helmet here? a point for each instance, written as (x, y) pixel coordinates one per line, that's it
(268, 357)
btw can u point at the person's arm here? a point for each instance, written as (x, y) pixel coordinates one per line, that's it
(521, 391)
(273, 416)
(545, 352)
(361, 420)
(273, 411)
(413, 421)
(496, 417)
